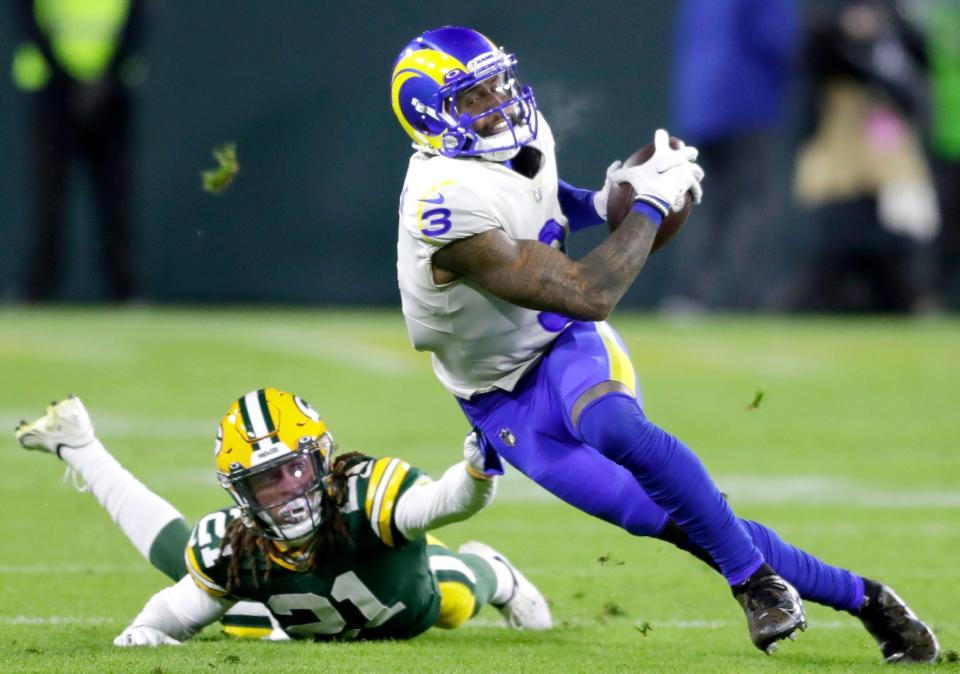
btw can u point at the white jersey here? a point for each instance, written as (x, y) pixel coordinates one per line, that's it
(479, 342)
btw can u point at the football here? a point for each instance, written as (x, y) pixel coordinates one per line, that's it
(622, 195)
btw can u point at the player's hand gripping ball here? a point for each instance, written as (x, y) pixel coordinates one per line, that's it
(622, 195)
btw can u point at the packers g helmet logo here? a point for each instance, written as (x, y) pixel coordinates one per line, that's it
(266, 436)
(260, 420)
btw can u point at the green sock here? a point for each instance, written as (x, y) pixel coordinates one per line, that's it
(166, 550)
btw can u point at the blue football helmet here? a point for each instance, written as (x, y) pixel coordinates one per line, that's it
(456, 93)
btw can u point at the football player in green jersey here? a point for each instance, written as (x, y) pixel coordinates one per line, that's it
(335, 546)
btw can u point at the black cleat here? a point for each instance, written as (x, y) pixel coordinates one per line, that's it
(900, 633)
(773, 608)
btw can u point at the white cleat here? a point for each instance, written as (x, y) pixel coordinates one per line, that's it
(526, 609)
(66, 424)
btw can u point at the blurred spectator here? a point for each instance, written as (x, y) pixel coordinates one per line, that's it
(943, 29)
(76, 61)
(733, 64)
(862, 171)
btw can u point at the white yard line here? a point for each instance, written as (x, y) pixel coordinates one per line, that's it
(65, 569)
(108, 425)
(764, 363)
(830, 490)
(851, 624)
(489, 622)
(58, 620)
(77, 349)
(805, 490)
(342, 350)
(478, 623)
(808, 490)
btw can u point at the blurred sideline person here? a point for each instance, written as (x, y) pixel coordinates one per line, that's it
(943, 26)
(518, 335)
(733, 64)
(77, 60)
(862, 170)
(335, 546)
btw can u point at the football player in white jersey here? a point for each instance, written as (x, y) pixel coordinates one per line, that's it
(517, 331)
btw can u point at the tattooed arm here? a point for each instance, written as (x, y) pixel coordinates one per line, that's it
(536, 276)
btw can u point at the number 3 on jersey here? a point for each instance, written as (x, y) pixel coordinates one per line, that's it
(435, 221)
(434, 218)
(554, 235)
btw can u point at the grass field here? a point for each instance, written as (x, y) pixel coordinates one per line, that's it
(853, 453)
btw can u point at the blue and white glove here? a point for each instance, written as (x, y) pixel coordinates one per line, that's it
(664, 180)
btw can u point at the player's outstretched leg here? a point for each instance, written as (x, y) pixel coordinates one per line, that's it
(814, 579)
(151, 523)
(901, 635)
(154, 526)
(675, 479)
(517, 599)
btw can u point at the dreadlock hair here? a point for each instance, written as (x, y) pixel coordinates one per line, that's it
(248, 543)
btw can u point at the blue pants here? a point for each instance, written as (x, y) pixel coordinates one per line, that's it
(618, 466)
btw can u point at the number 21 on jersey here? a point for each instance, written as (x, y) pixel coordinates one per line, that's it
(346, 588)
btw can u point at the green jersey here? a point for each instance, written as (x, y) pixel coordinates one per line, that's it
(378, 585)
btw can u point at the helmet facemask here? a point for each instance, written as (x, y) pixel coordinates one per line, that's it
(431, 75)
(283, 496)
(495, 116)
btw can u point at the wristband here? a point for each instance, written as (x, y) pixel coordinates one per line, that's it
(477, 474)
(655, 215)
